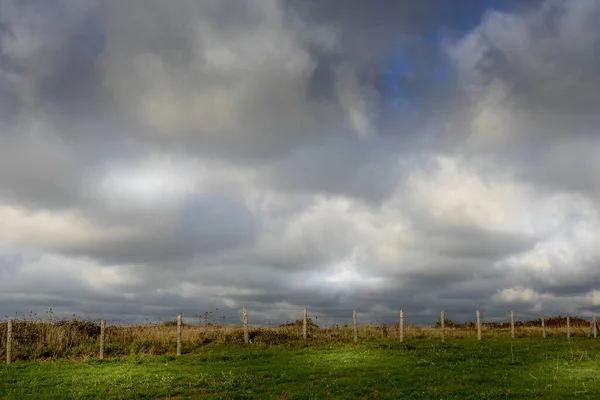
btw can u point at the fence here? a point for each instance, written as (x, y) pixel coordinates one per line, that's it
(308, 327)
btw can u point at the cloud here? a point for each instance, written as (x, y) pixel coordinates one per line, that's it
(226, 86)
(530, 77)
(289, 154)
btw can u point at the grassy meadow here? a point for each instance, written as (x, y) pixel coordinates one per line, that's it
(59, 359)
(494, 368)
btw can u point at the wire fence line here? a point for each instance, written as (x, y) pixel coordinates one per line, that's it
(323, 317)
(274, 316)
(246, 326)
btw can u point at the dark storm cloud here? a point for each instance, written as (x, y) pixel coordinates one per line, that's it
(370, 34)
(204, 226)
(339, 166)
(466, 242)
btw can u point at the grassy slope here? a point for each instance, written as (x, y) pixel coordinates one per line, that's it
(551, 368)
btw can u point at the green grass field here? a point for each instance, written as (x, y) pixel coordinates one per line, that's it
(525, 368)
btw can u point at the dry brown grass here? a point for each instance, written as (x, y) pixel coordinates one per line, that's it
(80, 339)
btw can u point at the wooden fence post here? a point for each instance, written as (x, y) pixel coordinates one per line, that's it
(568, 328)
(102, 328)
(305, 324)
(354, 316)
(478, 325)
(401, 325)
(512, 324)
(9, 341)
(594, 327)
(246, 335)
(543, 327)
(179, 335)
(442, 324)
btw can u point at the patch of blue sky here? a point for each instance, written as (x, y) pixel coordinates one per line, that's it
(459, 16)
(401, 67)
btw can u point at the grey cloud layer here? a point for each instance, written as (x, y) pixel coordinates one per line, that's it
(218, 153)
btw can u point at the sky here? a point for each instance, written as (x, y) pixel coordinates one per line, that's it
(163, 157)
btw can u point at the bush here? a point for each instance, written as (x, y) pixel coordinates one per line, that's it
(448, 323)
(299, 322)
